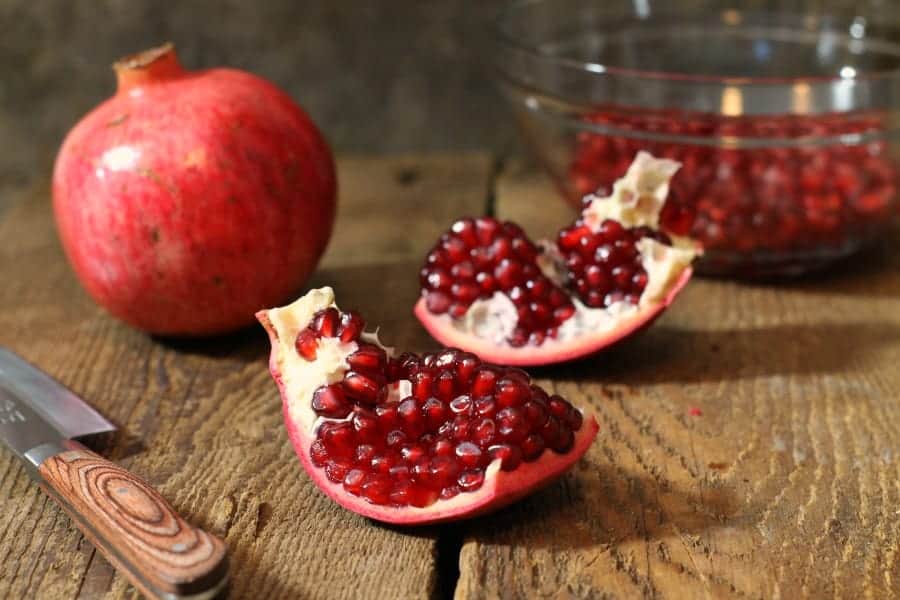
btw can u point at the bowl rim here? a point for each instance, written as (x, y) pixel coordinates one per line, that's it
(595, 68)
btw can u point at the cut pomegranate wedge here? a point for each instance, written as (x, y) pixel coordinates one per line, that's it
(412, 439)
(490, 290)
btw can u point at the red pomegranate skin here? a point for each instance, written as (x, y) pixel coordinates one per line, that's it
(190, 200)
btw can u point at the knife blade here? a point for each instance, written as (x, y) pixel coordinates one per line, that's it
(127, 520)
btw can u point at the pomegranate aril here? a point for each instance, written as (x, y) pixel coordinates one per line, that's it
(461, 405)
(353, 481)
(466, 292)
(438, 302)
(387, 416)
(486, 406)
(399, 495)
(409, 363)
(511, 392)
(676, 218)
(465, 230)
(508, 273)
(376, 488)
(574, 419)
(458, 310)
(435, 412)
(455, 249)
(460, 428)
(443, 472)
(486, 283)
(421, 496)
(511, 425)
(463, 271)
(368, 358)
(339, 439)
(486, 230)
(410, 417)
(550, 431)
(307, 344)
(501, 251)
(468, 455)
(363, 388)
(395, 438)
(352, 325)
(535, 413)
(336, 470)
(443, 447)
(326, 322)
(569, 238)
(329, 401)
(484, 382)
(558, 406)
(466, 364)
(622, 276)
(612, 230)
(400, 472)
(532, 447)
(421, 472)
(469, 481)
(422, 382)
(565, 441)
(484, 433)
(412, 453)
(449, 492)
(445, 386)
(318, 453)
(365, 424)
(524, 249)
(510, 456)
(381, 463)
(517, 374)
(563, 313)
(364, 454)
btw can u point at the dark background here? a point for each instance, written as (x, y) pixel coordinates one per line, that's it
(379, 76)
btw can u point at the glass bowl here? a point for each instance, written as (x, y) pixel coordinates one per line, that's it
(785, 123)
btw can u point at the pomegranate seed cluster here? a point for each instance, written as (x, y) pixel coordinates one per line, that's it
(784, 202)
(478, 257)
(604, 266)
(437, 442)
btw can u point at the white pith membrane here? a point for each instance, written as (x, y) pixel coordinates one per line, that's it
(299, 378)
(636, 200)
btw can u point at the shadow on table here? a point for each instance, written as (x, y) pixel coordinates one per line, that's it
(247, 345)
(604, 506)
(874, 272)
(666, 354)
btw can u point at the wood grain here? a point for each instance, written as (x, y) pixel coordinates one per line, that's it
(749, 447)
(201, 421)
(134, 527)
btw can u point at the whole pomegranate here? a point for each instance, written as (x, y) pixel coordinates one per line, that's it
(189, 200)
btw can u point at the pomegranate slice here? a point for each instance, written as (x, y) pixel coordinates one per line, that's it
(490, 290)
(412, 439)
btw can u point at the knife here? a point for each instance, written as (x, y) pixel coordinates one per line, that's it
(127, 520)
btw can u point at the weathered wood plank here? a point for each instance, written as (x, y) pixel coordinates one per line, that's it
(201, 421)
(394, 208)
(748, 449)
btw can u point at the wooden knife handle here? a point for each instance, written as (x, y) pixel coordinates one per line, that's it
(134, 527)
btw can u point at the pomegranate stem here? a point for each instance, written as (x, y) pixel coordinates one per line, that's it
(150, 66)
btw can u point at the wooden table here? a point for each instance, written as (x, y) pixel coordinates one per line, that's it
(750, 441)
